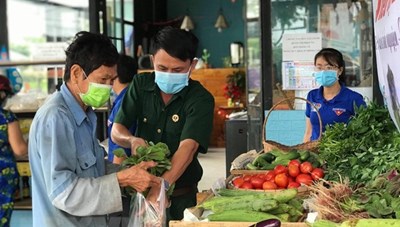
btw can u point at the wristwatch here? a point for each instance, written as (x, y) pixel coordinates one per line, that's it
(166, 184)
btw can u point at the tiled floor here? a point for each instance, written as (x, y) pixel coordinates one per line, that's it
(213, 164)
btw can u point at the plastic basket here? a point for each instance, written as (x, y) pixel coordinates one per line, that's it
(311, 145)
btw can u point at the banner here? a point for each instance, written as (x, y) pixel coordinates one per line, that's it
(387, 39)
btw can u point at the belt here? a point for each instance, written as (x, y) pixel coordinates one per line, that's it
(184, 190)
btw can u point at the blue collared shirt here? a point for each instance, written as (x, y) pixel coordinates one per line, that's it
(69, 185)
(111, 145)
(337, 110)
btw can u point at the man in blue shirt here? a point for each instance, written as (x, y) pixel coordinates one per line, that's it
(70, 186)
(126, 70)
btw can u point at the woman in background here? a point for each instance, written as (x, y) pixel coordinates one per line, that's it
(333, 100)
(11, 144)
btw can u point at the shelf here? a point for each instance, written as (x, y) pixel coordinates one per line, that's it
(28, 63)
(23, 204)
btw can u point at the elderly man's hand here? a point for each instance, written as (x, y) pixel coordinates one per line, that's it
(138, 178)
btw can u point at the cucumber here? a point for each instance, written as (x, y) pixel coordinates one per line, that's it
(281, 209)
(324, 223)
(282, 196)
(254, 204)
(370, 222)
(241, 216)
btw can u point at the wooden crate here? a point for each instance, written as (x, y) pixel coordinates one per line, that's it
(228, 224)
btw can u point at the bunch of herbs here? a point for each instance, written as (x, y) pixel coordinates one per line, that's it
(366, 147)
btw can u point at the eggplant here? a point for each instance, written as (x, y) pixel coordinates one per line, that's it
(273, 222)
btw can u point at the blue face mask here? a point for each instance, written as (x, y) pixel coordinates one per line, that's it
(171, 83)
(326, 78)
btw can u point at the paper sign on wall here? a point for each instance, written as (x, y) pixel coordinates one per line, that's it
(298, 51)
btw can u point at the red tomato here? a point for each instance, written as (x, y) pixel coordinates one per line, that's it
(295, 162)
(268, 185)
(293, 170)
(304, 178)
(270, 176)
(281, 180)
(291, 179)
(293, 184)
(247, 177)
(317, 174)
(237, 182)
(262, 176)
(246, 185)
(280, 169)
(306, 167)
(257, 182)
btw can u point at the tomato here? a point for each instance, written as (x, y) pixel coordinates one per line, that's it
(317, 174)
(246, 177)
(237, 182)
(295, 162)
(270, 176)
(280, 169)
(246, 185)
(306, 167)
(293, 184)
(281, 180)
(293, 170)
(268, 185)
(291, 179)
(262, 176)
(257, 182)
(304, 178)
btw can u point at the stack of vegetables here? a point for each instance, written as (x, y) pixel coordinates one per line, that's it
(284, 170)
(362, 161)
(254, 206)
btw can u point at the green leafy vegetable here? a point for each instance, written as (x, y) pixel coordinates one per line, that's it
(362, 149)
(153, 152)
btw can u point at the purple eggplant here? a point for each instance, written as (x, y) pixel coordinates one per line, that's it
(273, 222)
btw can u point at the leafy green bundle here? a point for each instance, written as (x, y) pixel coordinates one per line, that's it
(153, 152)
(364, 148)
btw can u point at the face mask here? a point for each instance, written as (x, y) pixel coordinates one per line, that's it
(171, 83)
(97, 94)
(326, 78)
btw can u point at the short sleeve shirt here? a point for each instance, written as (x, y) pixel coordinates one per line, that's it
(337, 110)
(188, 115)
(110, 122)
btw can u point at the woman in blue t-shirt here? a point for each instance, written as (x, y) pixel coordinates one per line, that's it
(334, 101)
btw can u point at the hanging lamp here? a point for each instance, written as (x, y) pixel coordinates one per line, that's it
(220, 23)
(187, 23)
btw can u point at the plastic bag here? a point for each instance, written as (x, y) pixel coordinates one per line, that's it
(146, 214)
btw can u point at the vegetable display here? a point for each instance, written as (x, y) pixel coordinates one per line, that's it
(362, 149)
(290, 170)
(254, 206)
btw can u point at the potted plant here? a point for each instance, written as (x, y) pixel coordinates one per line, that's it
(235, 87)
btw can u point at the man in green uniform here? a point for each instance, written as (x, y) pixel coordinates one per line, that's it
(170, 107)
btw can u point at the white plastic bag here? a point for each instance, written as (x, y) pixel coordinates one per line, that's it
(146, 214)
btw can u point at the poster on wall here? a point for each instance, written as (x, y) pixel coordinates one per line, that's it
(387, 38)
(298, 51)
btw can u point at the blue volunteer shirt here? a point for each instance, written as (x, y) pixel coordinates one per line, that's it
(338, 109)
(111, 145)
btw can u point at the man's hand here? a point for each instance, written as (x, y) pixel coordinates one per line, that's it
(135, 143)
(138, 178)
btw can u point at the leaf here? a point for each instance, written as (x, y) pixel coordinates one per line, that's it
(119, 152)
